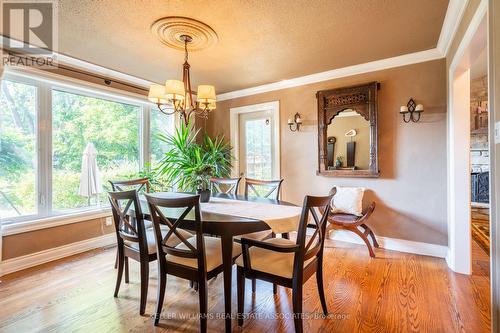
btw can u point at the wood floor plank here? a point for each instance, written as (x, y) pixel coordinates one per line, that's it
(395, 292)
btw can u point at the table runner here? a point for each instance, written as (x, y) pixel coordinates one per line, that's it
(279, 218)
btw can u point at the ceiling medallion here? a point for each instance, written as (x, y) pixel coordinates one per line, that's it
(170, 30)
(176, 96)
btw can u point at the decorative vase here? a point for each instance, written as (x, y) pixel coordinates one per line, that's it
(204, 195)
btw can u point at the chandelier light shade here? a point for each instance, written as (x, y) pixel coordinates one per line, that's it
(174, 90)
(157, 94)
(177, 97)
(206, 94)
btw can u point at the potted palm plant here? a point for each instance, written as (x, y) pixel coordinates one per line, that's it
(202, 180)
(188, 166)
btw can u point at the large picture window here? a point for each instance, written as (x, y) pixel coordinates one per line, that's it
(111, 127)
(46, 125)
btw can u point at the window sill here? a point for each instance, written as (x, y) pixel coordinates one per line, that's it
(54, 221)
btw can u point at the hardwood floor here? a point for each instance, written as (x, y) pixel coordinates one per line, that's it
(394, 292)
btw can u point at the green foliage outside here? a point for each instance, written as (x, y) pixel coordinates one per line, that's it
(112, 127)
(76, 120)
(17, 148)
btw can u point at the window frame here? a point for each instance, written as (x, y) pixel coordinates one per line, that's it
(39, 199)
(45, 83)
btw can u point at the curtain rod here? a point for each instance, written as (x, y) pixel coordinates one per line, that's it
(107, 81)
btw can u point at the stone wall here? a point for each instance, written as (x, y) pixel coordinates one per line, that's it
(479, 125)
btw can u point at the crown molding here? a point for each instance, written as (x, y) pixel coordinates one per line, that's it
(454, 14)
(403, 60)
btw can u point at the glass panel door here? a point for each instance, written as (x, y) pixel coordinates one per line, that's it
(256, 148)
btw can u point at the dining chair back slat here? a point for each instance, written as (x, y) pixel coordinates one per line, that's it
(139, 184)
(311, 218)
(225, 185)
(263, 188)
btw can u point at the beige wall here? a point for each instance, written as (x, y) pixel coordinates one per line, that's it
(340, 126)
(43, 239)
(411, 190)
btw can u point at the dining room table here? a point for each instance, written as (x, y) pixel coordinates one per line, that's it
(228, 215)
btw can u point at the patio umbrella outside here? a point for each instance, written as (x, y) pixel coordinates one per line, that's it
(90, 181)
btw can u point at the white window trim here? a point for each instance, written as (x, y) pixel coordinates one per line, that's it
(45, 83)
(145, 136)
(234, 113)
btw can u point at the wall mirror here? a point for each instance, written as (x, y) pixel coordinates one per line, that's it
(347, 131)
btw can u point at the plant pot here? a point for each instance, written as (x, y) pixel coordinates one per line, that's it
(204, 195)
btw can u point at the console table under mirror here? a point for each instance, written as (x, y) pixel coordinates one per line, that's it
(347, 131)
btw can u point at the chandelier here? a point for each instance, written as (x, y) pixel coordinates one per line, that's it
(177, 97)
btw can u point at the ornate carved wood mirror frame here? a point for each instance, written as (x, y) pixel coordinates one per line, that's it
(363, 100)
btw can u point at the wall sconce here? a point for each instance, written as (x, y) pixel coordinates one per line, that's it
(413, 111)
(295, 123)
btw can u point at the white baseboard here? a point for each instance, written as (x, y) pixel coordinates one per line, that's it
(38, 258)
(394, 244)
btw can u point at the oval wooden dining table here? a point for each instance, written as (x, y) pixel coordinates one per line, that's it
(221, 225)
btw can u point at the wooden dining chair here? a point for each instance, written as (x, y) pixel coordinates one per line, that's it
(354, 223)
(197, 258)
(263, 188)
(134, 241)
(225, 185)
(140, 185)
(269, 189)
(285, 262)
